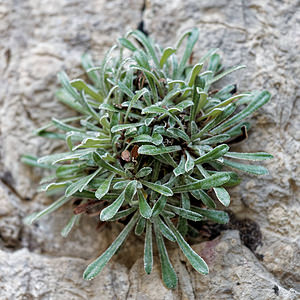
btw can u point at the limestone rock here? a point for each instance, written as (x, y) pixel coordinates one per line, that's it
(234, 273)
(26, 275)
(40, 38)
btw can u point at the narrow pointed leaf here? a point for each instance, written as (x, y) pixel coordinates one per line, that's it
(168, 274)
(80, 184)
(187, 214)
(180, 169)
(253, 169)
(159, 205)
(140, 226)
(207, 183)
(217, 152)
(165, 230)
(130, 191)
(249, 156)
(102, 163)
(109, 211)
(258, 101)
(127, 44)
(195, 260)
(152, 150)
(217, 216)
(166, 54)
(121, 127)
(226, 72)
(195, 71)
(54, 206)
(145, 209)
(96, 267)
(148, 249)
(80, 85)
(161, 189)
(57, 157)
(104, 187)
(178, 133)
(143, 172)
(222, 195)
(66, 230)
(189, 165)
(215, 139)
(122, 214)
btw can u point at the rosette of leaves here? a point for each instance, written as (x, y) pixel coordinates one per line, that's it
(149, 145)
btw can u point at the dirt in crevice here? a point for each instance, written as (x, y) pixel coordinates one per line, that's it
(141, 25)
(249, 230)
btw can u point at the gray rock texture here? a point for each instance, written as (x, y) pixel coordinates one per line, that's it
(38, 38)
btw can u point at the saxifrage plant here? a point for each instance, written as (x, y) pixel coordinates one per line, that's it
(149, 145)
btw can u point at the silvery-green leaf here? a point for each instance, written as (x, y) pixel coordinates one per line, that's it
(253, 169)
(148, 251)
(121, 127)
(206, 199)
(120, 184)
(122, 214)
(187, 214)
(180, 169)
(53, 185)
(33, 161)
(178, 133)
(54, 206)
(164, 229)
(152, 150)
(167, 52)
(217, 152)
(127, 44)
(110, 211)
(104, 187)
(195, 71)
(57, 157)
(195, 260)
(215, 139)
(99, 160)
(226, 72)
(143, 172)
(258, 101)
(168, 274)
(189, 164)
(130, 191)
(161, 189)
(66, 230)
(140, 226)
(96, 266)
(249, 156)
(217, 216)
(207, 183)
(222, 195)
(80, 184)
(80, 85)
(159, 205)
(145, 209)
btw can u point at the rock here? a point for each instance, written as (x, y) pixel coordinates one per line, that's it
(40, 38)
(234, 273)
(26, 275)
(10, 222)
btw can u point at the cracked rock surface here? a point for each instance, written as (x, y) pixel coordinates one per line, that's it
(38, 38)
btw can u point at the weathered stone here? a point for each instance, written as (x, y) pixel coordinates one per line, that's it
(40, 38)
(26, 275)
(234, 273)
(10, 221)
